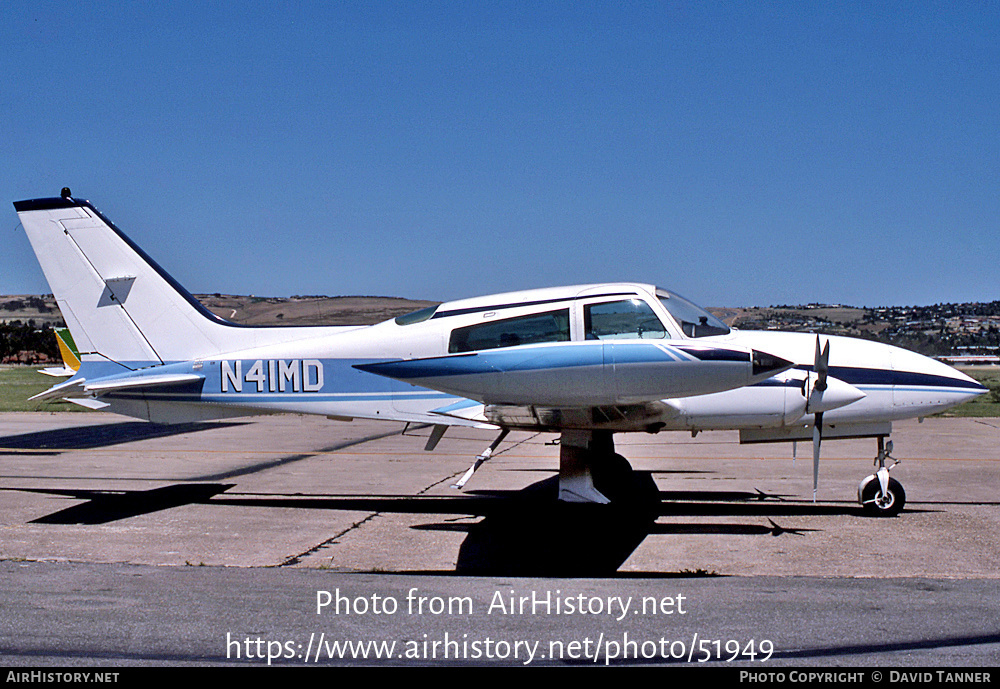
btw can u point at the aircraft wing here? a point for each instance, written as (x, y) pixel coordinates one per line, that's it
(586, 374)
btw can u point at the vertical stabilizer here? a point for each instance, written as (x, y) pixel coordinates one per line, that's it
(118, 303)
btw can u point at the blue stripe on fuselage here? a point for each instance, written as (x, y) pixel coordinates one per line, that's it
(883, 378)
(879, 376)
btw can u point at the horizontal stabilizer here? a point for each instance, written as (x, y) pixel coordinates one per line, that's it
(88, 402)
(105, 385)
(57, 391)
(63, 372)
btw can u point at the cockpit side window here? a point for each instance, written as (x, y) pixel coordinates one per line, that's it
(551, 326)
(626, 319)
(694, 320)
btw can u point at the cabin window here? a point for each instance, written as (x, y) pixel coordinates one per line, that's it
(552, 326)
(619, 320)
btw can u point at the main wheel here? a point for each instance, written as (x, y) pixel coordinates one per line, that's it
(877, 505)
(612, 476)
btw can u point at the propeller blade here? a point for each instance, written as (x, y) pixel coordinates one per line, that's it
(817, 440)
(821, 365)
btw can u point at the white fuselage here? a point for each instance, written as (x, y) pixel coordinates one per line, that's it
(317, 374)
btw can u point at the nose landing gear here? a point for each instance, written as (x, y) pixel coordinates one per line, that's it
(879, 495)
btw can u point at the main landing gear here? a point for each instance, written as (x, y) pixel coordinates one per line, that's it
(586, 521)
(590, 471)
(879, 495)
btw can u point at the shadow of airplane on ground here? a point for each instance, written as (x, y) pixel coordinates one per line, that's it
(105, 506)
(526, 532)
(102, 435)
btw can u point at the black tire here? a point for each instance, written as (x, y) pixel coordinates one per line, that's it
(888, 506)
(612, 476)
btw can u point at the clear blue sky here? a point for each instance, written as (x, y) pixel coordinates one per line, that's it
(738, 153)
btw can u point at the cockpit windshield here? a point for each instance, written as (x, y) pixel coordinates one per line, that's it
(694, 320)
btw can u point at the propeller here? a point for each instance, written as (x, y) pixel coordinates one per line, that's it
(821, 367)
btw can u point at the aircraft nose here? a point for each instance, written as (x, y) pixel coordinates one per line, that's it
(970, 387)
(921, 381)
(769, 363)
(975, 387)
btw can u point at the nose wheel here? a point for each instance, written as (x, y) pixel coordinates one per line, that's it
(879, 503)
(879, 495)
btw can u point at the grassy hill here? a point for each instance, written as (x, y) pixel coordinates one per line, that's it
(247, 310)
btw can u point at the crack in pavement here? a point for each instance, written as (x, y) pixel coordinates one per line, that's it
(295, 559)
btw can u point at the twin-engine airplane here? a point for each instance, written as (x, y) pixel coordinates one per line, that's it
(585, 362)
